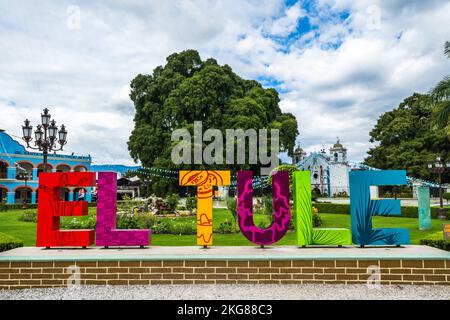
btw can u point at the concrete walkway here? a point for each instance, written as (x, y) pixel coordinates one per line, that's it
(233, 292)
(223, 253)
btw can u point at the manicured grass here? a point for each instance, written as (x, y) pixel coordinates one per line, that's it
(343, 221)
(218, 240)
(220, 215)
(10, 225)
(26, 231)
(7, 242)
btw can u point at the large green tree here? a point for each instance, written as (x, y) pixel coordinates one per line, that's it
(407, 139)
(188, 89)
(440, 98)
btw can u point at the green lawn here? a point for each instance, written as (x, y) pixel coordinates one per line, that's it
(220, 215)
(26, 231)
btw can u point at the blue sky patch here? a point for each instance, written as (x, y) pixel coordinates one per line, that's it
(305, 26)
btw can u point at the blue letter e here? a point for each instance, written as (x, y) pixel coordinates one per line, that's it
(362, 208)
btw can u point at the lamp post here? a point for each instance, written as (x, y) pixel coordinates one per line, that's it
(439, 166)
(24, 176)
(45, 136)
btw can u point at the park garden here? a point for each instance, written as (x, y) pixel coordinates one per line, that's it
(408, 138)
(172, 221)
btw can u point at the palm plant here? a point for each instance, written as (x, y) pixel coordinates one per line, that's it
(440, 97)
(447, 49)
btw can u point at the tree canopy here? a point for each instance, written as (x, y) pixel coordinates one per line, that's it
(407, 139)
(440, 98)
(188, 89)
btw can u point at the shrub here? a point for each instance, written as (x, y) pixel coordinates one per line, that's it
(446, 196)
(77, 223)
(7, 242)
(16, 206)
(127, 221)
(405, 194)
(146, 220)
(292, 224)
(332, 208)
(161, 227)
(225, 227)
(184, 213)
(407, 211)
(317, 220)
(28, 216)
(412, 212)
(158, 226)
(6, 207)
(440, 244)
(128, 205)
(191, 203)
(126, 197)
(315, 194)
(182, 228)
(171, 201)
(268, 205)
(232, 206)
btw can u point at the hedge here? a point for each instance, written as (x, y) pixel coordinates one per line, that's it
(440, 244)
(6, 207)
(7, 242)
(407, 211)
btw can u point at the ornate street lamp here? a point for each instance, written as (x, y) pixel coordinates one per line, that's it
(45, 136)
(439, 167)
(24, 176)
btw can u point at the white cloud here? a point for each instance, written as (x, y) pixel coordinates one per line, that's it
(286, 24)
(338, 78)
(342, 92)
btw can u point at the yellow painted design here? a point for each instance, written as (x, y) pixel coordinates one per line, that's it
(204, 181)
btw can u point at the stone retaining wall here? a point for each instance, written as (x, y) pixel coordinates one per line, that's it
(18, 275)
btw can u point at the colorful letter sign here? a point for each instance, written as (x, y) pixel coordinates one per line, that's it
(204, 180)
(107, 234)
(306, 235)
(423, 197)
(363, 208)
(281, 214)
(51, 208)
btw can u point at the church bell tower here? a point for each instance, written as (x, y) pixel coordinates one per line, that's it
(338, 153)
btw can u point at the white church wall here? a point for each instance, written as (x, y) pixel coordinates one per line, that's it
(334, 176)
(339, 180)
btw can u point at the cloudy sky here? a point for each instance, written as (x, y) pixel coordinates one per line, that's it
(338, 64)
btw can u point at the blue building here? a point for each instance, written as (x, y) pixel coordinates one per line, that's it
(15, 159)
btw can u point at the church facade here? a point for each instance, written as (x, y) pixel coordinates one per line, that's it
(329, 171)
(19, 171)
